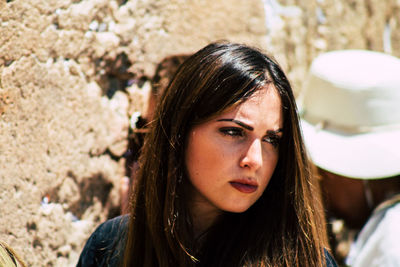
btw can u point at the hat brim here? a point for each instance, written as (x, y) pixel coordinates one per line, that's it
(373, 155)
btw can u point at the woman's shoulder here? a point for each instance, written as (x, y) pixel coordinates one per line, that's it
(105, 246)
(330, 261)
(113, 227)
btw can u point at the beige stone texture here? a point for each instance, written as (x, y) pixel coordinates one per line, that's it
(72, 73)
(322, 25)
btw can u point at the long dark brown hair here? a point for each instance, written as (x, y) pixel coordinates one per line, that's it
(285, 227)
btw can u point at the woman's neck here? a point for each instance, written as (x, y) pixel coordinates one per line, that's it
(204, 214)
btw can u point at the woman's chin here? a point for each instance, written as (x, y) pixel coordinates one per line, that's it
(237, 208)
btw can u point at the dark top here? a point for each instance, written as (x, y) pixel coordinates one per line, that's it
(105, 246)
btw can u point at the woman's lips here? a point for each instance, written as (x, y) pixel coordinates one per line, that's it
(244, 186)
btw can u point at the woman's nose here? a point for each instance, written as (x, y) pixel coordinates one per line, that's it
(252, 157)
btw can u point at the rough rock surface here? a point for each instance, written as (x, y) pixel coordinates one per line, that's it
(72, 73)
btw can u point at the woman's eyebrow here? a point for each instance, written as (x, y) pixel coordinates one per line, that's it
(275, 132)
(244, 125)
(250, 128)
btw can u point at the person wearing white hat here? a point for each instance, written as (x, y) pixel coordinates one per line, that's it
(350, 110)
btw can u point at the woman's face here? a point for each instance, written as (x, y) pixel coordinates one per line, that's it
(230, 159)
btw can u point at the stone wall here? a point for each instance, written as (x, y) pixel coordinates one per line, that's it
(72, 73)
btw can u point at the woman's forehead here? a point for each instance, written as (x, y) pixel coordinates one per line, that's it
(262, 108)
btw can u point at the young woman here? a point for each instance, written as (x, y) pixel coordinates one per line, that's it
(223, 179)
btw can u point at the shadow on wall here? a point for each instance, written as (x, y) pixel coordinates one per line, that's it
(92, 190)
(114, 74)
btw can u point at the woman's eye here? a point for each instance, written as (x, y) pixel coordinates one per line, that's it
(235, 132)
(273, 140)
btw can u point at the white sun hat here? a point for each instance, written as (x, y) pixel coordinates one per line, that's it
(350, 109)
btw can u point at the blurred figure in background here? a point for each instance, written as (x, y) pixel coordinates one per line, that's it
(351, 126)
(163, 75)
